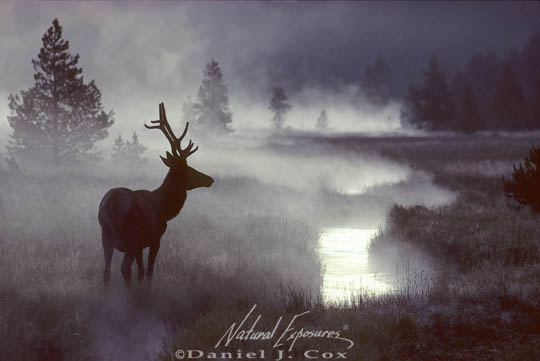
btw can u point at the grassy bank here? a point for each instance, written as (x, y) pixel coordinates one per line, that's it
(487, 254)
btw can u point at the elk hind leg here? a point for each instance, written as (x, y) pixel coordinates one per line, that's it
(126, 266)
(140, 265)
(107, 253)
(151, 260)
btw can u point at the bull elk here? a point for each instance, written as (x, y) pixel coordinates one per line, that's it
(134, 220)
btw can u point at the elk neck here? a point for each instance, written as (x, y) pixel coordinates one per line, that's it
(171, 195)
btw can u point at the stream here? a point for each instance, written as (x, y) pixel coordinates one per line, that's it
(345, 259)
(344, 250)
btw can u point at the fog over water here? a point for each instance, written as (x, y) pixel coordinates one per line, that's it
(345, 193)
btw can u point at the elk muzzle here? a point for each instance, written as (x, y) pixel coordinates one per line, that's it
(196, 179)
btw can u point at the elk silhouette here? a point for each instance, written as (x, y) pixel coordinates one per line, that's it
(133, 220)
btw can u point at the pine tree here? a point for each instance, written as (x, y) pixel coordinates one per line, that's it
(212, 106)
(530, 63)
(60, 117)
(430, 106)
(437, 101)
(119, 147)
(468, 118)
(535, 108)
(411, 110)
(523, 186)
(279, 107)
(134, 148)
(322, 121)
(480, 75)
(377, 82)
(128, 150)
(509, 108)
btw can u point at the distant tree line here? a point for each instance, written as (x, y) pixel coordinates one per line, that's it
(61, 116)
(486, 93)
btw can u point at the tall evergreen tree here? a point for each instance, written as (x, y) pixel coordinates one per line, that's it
(61, 116)
(529, 67)
(431, 105)
(411, 109)
(279, 107)
(530, 78)
(212, 105)
(438, 105)
(534, 119)
(467, 117)
(119, 147)
(509, 107)
(377, 82)
(479, 75)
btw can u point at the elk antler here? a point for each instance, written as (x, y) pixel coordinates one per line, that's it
(164, 126)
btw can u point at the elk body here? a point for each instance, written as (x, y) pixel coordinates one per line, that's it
(134, 220)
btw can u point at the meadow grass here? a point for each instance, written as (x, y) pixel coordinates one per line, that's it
(482, 302)
(487, 254)
(230, 249)
(52, 302)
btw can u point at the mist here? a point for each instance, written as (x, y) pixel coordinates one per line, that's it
(290, 210)
(143, 53)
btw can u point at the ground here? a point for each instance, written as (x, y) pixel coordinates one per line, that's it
(233, 247)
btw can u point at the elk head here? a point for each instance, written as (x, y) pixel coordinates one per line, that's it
(185, 176)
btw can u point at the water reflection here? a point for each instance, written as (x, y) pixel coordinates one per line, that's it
(344, 256)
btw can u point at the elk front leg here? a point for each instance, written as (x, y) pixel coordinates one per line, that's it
(126, 266)
(151, 260)
(140, 265)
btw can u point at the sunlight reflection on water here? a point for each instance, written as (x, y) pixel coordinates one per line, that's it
(344, 256)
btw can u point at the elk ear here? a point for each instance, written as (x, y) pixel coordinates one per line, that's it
(168, 161)
(165, 161)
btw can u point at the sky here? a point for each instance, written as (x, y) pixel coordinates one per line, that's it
(142, 53)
